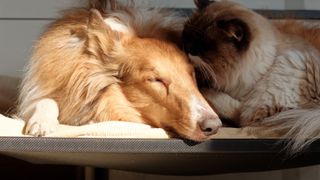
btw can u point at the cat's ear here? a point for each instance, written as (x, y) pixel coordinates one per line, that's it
(201, 4)
(236, 30)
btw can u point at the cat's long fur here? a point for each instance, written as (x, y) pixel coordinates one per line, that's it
(267, 74)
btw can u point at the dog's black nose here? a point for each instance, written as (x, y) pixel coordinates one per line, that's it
(210, 126)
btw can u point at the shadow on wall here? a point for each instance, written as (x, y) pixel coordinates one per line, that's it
(8, 93)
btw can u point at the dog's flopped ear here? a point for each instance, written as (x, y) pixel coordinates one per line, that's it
(237, 31)
(96, 19)
(201, 4)
(97, 22)
(105, 34)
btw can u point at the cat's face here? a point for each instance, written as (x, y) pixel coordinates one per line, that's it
(219, 33)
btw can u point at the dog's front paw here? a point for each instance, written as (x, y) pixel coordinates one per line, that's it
(41, 125)
(44, 119)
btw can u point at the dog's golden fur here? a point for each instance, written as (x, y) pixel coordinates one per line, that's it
(116, 64)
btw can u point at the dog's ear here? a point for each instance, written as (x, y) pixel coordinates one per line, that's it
(113, 24)
(237, 31)
(95, 18)
(201, 4)
(105, 34)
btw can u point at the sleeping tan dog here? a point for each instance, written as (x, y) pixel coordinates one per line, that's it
(118, 63)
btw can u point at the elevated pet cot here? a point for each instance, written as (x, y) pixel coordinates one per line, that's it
(232, 151)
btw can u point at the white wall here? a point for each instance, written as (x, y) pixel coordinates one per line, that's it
(16, 40)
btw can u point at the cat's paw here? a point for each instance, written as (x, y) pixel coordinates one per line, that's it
(252, 116)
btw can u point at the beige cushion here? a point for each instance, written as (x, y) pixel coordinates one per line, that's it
(118, 129)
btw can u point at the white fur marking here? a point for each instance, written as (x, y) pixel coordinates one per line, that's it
(74, 42)
(196, 108)
(116, 25)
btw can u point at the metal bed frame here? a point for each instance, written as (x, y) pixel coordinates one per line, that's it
(166, 157)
